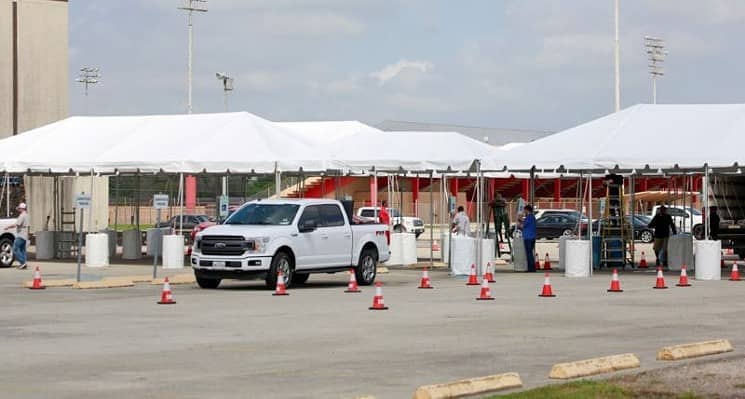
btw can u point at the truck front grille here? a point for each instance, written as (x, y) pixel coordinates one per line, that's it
(225, 245)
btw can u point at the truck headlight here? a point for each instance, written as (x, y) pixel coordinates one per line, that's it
(259, 244)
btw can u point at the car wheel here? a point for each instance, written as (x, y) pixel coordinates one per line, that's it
(399, 229)
(646, 236)
(698, 231)
(418, 234)
(280, 261)
(300, 278)
(517, 234)
(6, 252)
(208, 283)
(567, 233)
(367, 267)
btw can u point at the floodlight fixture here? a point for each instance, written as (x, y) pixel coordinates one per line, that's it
(227, 86)
(656, 53)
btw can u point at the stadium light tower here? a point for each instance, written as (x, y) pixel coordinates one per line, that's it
(656, 53)
(227, 86)
(190, 6)
(617, 58)
(88, 76)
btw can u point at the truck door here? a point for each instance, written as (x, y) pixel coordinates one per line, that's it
(310, 245)
(336, 236)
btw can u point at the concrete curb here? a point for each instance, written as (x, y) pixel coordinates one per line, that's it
(51, 283)
(383, 270)
(468, 387)
(175, 279)
(105, 283)
(696, 349)
(599, 365)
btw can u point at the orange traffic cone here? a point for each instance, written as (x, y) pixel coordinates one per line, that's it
(547, 263)
(537, 262)
(472, 279)
(435, 246)
(352, 286)
(280, 290)
(485, 291)
(615, 285)
(489, 275)
(683, 278)
(378, 303)
(735, 276)
(37, 283)
(425, 283)
(547, 292)
(166, 297)
(660, 280)
(643, 261)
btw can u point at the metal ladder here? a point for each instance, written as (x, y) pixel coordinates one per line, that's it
(67, 245)
(615, 229)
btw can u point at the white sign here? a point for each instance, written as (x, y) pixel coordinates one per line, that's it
(160, 201)
(83, 201)
(224, 205)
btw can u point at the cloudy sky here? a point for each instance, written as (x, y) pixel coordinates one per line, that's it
(530, 64)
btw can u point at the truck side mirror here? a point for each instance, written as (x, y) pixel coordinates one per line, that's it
(307, 226)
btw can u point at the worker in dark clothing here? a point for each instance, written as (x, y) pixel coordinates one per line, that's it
(498, 205)
(714, 223)
(662, 223)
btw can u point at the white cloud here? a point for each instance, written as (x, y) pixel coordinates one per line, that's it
(393, 70)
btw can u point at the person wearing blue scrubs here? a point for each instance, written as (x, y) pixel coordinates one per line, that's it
(528, 224)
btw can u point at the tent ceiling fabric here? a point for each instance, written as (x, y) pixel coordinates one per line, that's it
(656, 136)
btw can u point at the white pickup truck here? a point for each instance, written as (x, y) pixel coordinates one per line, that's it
(405, 224)
(296, 236)
(6, 242)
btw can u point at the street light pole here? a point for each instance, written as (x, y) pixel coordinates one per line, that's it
(227, 86)
(656, 53)
(617, 60)
(88, 76)
(190, 6)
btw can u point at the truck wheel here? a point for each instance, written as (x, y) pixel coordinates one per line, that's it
(399, 229)
(208, 283)
(647, 236)
(418, 234)
(698, 231)
(280, 261)
(367, 267)
(6, 252)
(300, 278)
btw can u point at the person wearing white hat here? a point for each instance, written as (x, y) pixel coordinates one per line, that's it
(21, 226)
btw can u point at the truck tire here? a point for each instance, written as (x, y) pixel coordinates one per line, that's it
(698, 231)
(6, 252)
(300, 278)
(367, 267)
(399, 229)
(280, 261)
(647, 236)
(208, 283)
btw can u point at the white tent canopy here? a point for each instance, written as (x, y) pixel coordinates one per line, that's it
(237, 142)
(323, 132)
(639, 137)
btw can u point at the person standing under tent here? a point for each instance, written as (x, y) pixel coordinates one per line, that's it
(19, 244)
(461, 223)
(714, 223)
(528, 224)
(498, 207)
(385, 218)
(662, 223)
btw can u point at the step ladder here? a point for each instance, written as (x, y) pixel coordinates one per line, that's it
(67, 240)
(614, 231)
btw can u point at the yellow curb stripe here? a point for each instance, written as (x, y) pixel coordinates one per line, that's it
(696, 349)
(599, 365)
(175, 279)
(468, 387)
(105, 283)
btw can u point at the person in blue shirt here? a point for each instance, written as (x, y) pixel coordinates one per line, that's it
(528, 229)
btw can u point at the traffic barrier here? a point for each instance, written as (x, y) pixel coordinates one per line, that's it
(615, 285)
(683, 277)
(547, 291)
(485, 291)
(472, 279)
(280, 289)
(166, 297)
(378, 302)
(425, 283)
(735, 275)
(352, 286)
(660, 284)
(685, 351)
(588, 367)
(469, 387)
(37, 284)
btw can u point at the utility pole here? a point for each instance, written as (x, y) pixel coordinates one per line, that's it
(656, 53)
(88, 76)
(190, 6)
(617, 60)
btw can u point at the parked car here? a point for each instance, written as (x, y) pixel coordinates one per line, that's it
(554, 225)
(189, 221)
(682, 216)
(406, 224)
(6, 242)
(295, 236)
(642, 231)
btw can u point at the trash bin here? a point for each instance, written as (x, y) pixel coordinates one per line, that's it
(597, 242)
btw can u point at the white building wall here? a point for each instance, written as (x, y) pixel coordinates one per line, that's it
(6, 68)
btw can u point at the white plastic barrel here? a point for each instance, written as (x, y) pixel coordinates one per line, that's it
(577, 258)
(708, 260)
(408, 248)
(173, 251)
(487, 253)
(154, 240)
(444, 246)
(112, 242)
(464, 252)
(44, 245)
(132, 244)
(519, 257)
(97, 250)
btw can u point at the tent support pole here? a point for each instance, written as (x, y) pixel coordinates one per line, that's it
(277, 181)
(632, 189)
(431, 223)
(181, 203)
(589, 217)
(706, 202)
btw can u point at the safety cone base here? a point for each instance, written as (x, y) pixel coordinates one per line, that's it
(472, 283)
(281, 294)
(609, 290)
(660, 288)
(485, 299)
(357, 291)
(547, 296)
(167, 302)
(735, 279)
(378, 308)
(682, 285)
(37, 288)
(426, 288)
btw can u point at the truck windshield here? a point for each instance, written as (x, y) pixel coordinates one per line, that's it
(264, 214)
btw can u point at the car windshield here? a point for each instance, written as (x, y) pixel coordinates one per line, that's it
(203, 218)
(393, 212)
(695, 212)
(264, 214)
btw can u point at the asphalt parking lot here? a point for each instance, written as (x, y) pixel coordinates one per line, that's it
(240, 341)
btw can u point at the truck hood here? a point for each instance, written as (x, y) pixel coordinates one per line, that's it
(247, 231)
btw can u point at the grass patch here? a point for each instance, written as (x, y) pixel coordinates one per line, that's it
(125, 227)
(739, 386)
(592, 390)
